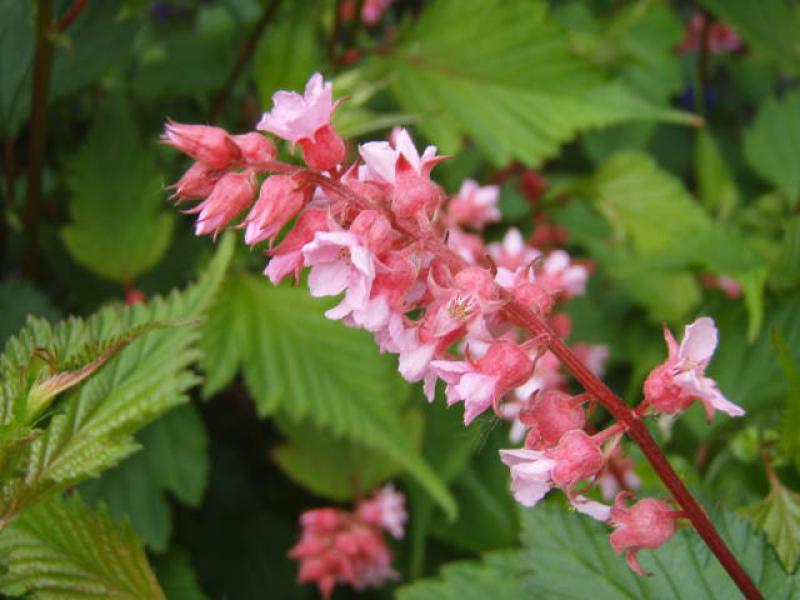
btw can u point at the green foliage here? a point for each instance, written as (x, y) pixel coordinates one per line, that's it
(772, 144)
(119, 229)
(19, 299)
(173, 460)
(790, 425)
(177, 577)
(91, 429)
(779, 516)
(566, 555)
(516, 88)
(325, 373)
(715, 186)
(785, 271)
(63, 549)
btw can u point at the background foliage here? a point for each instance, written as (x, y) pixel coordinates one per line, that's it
(167, 448)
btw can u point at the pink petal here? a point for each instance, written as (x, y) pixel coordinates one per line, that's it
(328, 279)
(699, 341)
(596, 510)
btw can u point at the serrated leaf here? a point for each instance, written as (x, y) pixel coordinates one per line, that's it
(790, 421)
(779, 516)
(174, 459)
(295, 360)
(119, 226)
(62, 549)
(515, 88)
(715, 186)
(772, 144)
(91, 429)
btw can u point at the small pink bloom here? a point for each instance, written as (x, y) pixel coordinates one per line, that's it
(649, 523)
(546, 375)
(212, 146)
(593, 356)
(512, 253)
(295, 117)
(257, 150)
(617, 475)
(481, 382)
(671, 387)
(340, 262)
(386, 509)
(577, 456)
(232, 194)
(721, 38)
(287, 257)
(278, 202)
(596, 510)
(550, 414)
(474, 205)
(468, 246)
(558, 274)
(372, 11)
(530, 474)
(197, 182)
(325, 150)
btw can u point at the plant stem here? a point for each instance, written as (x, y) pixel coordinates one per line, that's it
(71, 14)
(36, 133)
(245, 52)
(526, 318)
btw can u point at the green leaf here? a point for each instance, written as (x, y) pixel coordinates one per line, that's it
(178, 578)
(18, 300)
(516, 88)
(91, 429)
(790, 422)
(63, 549)
(119, 227)
(174, 459)
(16, 57)
(715, 186)
(772, 144)
(336, 468)
(770, 26)
(779, 516)
(785, 270)
(295, 360)
(289, 52)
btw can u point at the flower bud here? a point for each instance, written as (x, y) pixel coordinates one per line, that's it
(325, 150)
(211, 146)
(231, 195)
(649, 523)
(279, 200)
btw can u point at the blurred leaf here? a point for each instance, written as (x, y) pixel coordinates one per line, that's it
(715, 186)
(770, 26)
(297, 361)
(18, 300)
(174, 459)
(289, 51)
(119, 229)
(779, 516)
(516, 87)
(772, 144)
(785, 271)
(16, 58)
(63, 549)
(336, 468)
(91, 429)
(177, 577)
(790, 422)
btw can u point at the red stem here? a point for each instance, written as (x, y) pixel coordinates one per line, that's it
(71, 14)
(526, 318)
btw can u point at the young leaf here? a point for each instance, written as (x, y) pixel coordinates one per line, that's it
(296, 360)
(119, 226)
(63, 549)
(517, 88)
(779, 516)
(772, 144)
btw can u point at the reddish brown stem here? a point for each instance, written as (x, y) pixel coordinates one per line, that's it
(72, 13)
(526, 318)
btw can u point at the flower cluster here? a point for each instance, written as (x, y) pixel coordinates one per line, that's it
(412, 269)
(342, 547)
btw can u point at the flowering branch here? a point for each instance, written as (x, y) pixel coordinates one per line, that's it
(481, 318)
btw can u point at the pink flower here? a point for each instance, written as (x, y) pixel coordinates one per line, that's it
(649, 523)
(386, 509)
(559, 275)
(577, 456)
(287, 257)
(617, 475)
(550, 414)
(468, 246)
(232, 194)
(257, 150)
(474, 205)
(280, 199)
(530, 474)
(596, 510)
(673, 386)
(482, 382)
(373, 10)
(721, 38)
(593, 356)
(340, 262)
(197, 182)
(512, 253)
(212, 146)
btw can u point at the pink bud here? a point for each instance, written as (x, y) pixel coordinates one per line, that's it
(577, 457)
(257, 150)
(474, 205)
(509, 362)
(197, 182)
(288, 257)
(550, 414)
(414, 192)
(372, 228)
(211, 146)
(232, 194)
(279, 200)
(325, 150)
(649, 523)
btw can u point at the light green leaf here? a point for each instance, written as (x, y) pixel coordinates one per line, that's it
(785, 270)
(174, 459)
(772, 144)
(295, 360)
(62, 549)
(779, 516)
(516, 88)
(790, 422)
(91, 429)
(119, 226)
(715, 186)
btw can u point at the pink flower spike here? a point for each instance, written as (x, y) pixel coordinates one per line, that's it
(530, 474)
(295, 117)
(339, 262)
(474, 205)
(232, 194)
(387, 509)
(209, 145)
(649, 524)
(672, 386)
(278, 202)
